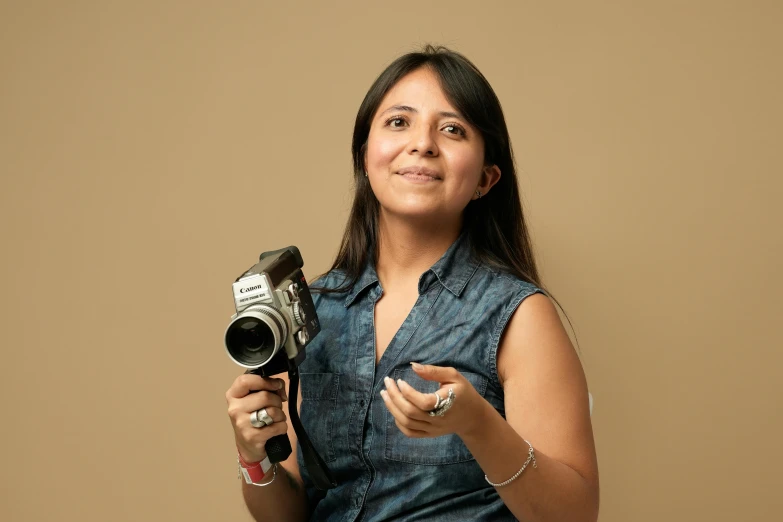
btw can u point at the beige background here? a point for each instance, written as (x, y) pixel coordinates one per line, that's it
(150, 150)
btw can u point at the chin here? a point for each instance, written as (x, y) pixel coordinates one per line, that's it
(418, 212)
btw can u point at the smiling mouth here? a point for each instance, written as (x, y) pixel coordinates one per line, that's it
(419, 174)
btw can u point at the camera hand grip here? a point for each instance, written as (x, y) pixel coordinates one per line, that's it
(278, 448)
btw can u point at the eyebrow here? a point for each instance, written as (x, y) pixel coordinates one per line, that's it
(406, 108)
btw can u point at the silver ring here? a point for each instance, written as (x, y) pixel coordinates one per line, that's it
(264, 417)
(254, 420)
(260, 418)
(444, 405)
(438, 401)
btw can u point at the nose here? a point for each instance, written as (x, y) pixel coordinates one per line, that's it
(422, 141)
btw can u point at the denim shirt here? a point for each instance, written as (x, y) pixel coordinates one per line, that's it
(459, 316)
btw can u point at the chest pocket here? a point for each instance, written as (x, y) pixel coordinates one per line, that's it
(319, 401)
(446, 449)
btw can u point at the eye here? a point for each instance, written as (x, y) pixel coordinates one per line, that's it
(453, 128)
(396, 122)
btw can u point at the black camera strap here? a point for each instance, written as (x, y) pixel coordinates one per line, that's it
(319, 471)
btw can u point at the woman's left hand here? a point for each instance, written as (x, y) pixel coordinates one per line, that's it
(410, 408)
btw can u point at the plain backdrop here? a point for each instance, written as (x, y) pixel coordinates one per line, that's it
(150, 150)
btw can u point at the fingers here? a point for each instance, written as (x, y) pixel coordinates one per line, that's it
(442, 374)
(262, 399)
(239, 409)
(247, 383)
(405, 414)
(242, 423)
(412, 403)
(277, 415)
(423, 401)
(243, 400)
(410, 427)
(248, 393)
(264, 433)
(251, 441)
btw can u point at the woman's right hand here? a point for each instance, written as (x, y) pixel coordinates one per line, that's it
(242, 402)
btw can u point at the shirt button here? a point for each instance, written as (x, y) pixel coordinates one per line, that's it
(361, 403)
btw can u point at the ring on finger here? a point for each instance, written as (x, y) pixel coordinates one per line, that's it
(260, 418)
(444, 405)
(254, 420)
(264, 417)
(438, 400)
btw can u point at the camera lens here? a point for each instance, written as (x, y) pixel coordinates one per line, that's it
(252, 335)
(255, 336)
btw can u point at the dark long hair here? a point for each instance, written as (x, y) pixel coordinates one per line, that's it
(495, 224)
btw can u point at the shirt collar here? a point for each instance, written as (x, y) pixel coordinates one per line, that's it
(367, 278)
(453, 270)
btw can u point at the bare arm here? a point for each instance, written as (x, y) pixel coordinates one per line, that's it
(284, 499)
(546, 402)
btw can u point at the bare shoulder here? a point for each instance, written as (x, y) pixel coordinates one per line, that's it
(544, 385)
(535, 335)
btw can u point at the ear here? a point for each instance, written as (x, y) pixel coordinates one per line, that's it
(490, 175)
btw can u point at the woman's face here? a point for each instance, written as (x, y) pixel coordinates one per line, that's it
(423, 159)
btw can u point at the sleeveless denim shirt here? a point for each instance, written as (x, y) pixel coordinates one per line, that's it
(459, 316)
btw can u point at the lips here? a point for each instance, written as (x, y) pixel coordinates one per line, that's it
(419, 173)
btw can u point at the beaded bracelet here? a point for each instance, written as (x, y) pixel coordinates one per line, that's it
(531, 456)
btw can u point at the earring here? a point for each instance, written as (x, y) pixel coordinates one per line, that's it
(478, 193)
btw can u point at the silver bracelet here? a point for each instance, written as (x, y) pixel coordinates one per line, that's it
(531, 456)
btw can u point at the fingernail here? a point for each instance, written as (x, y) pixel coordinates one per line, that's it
(279, 385)
(386, 380)
(416, 366)
(400, 382)
(384, 395)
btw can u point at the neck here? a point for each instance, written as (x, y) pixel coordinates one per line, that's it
(407, 249)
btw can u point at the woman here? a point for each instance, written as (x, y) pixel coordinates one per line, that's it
(443, 385)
